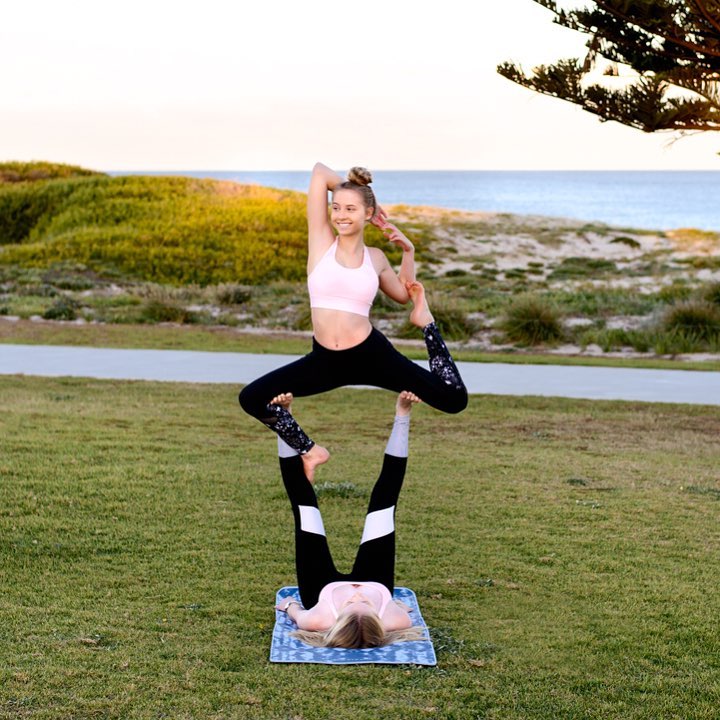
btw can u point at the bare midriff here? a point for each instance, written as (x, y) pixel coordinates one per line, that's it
(339, 330)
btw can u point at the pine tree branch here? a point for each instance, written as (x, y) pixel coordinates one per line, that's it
(713, 20)
(673, 38)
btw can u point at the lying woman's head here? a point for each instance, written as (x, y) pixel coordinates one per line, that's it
(358, 182)
(357, 628)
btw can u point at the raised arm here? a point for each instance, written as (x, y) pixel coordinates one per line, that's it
(320, 232)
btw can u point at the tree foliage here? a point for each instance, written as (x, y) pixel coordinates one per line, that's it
(672, 48)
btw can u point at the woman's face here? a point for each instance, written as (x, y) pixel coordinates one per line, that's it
(348, 214)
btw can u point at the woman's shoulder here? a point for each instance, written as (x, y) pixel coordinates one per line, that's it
(377, 257)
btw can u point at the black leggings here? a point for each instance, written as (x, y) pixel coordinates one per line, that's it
(375, 559)
(373, 362)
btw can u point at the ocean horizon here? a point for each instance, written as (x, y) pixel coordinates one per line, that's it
(642, 199)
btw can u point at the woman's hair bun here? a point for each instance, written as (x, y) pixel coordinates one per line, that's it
(360, 176)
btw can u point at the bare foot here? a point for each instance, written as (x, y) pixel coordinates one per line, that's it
(420, 315)
(405, 401)
(316, 455)
(283, 400)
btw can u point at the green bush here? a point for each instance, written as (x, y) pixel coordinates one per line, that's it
(64, 308)
(232, 294)
(697, 321)
(602, 302)
(610, 339)
(678, 342)
(531, 320)
(155, 311)
(624, 240)
(169, 230)
(711, 293)
(579, 267)
(674, 292)
(13, 172)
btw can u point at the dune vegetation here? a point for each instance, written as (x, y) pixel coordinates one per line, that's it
(84, 246)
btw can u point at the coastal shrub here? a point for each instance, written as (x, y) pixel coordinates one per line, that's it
(579, 267)
(301, 317)
(612, 339)
(674, 292)
(708, 262)
(155, 311)
(531, 320)
(41, 290)
(603, 302)
(24, 206)
(13, 172)
(64, 308)
(711, 293)
(535, 268)
(232, 294)
(171, 230)
(679, 342)
(69, 276)
(694, 320)
(624, 240)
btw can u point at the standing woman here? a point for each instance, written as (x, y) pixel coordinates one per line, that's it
(343, 278)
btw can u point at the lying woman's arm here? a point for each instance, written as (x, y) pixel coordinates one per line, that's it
(314, 619)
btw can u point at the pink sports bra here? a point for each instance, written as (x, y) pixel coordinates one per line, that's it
(336, 593)
(335, 287)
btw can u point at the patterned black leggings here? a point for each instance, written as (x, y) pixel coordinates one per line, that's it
(373, 362)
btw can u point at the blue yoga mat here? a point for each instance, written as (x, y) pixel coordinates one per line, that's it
(287, 649)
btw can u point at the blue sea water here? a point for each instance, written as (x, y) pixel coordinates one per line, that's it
(654, 200)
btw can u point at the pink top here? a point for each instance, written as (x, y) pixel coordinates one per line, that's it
(336, 593)
(335, 287)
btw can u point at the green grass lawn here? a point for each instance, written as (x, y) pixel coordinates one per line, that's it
(565, 555)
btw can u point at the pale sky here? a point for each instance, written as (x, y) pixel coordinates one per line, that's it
(234, 85)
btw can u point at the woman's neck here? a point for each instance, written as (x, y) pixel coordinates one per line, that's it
(350, 243)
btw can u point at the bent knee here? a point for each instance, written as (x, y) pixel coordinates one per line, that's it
(459, 403)
(249, 401)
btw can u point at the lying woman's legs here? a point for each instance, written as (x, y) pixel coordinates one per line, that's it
(375, 560)
(313, 561)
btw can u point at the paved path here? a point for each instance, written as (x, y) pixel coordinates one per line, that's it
(597, 383)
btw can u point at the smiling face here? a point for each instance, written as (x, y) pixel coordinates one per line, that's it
(348, 212)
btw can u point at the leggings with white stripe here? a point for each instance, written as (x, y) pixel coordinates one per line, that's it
(375, 559)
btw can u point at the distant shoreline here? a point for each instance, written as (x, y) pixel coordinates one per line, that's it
(643, 199)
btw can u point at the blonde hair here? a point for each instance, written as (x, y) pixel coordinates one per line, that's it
(359, 179)
(357, 631)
